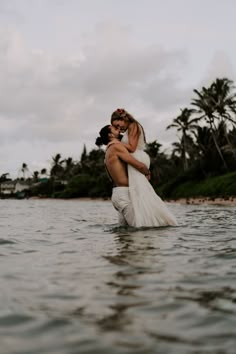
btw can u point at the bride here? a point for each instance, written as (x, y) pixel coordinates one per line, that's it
(149, 209)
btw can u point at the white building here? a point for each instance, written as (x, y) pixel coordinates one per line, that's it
(7, 187)
(21, 186)
(12, 187)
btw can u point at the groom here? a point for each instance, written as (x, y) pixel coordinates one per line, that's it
(116, 159)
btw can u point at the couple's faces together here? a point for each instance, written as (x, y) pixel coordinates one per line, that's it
(117, 127)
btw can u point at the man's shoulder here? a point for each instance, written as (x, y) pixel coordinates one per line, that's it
(118, 146)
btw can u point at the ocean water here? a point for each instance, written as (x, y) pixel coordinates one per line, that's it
(71, 281)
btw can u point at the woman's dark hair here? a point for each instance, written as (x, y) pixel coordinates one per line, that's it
(103, 139)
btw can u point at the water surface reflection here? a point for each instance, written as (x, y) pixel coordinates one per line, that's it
(72, 282)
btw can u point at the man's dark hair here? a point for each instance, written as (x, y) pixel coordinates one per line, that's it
(103, 139)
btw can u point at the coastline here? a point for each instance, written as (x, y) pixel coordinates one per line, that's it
(228, 201)
(82, 199)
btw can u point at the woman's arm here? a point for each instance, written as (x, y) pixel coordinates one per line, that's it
(133, 136)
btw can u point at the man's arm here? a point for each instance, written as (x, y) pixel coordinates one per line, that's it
(125, 156)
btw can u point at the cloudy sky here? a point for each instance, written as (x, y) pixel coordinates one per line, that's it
(65, 65)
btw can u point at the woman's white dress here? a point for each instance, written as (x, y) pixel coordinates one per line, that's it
(149, 209)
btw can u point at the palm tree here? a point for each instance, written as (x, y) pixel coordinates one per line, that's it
(85, 160)
(24, 169)
(216, 104)
(160, 165)
(36, 176)
(185, 125)
(205, 151)
(203, 140)
(43, 171)
(206, 109)
(224, 100)
(57, 169)
(84, 154)
(94, 162)
(177, 149)
(153, 149)
(4, 177)
(69, 165)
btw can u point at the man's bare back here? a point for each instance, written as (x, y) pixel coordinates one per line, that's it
(116, 159)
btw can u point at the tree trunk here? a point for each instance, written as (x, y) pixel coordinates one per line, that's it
(218, 148)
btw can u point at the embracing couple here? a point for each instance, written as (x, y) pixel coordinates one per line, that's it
(128, 166)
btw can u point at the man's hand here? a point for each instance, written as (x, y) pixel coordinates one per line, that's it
(143, 169)
(148, 176)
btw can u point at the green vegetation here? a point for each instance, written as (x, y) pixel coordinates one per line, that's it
(202, 161)
(220, 186)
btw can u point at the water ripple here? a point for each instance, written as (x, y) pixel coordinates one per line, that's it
(72, 281)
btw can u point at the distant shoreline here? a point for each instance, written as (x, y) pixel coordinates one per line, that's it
(82, 199)
(205, 200)
(184, 201)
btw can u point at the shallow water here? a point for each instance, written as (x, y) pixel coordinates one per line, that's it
(71, 281)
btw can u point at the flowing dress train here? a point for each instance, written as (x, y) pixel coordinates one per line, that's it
(149, 209)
